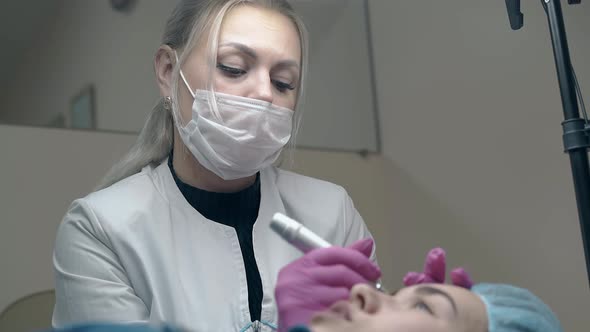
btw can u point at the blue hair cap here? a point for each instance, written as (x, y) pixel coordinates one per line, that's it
(514, 309)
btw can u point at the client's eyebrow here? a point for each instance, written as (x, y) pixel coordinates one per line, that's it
(394, 293)
(427, 290)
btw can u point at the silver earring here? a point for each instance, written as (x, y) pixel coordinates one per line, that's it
(168, 103)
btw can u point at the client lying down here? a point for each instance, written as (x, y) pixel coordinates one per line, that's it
(426, 305)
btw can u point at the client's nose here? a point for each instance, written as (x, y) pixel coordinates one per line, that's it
(366, 298)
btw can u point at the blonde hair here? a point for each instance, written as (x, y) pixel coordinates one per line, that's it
(186, 27)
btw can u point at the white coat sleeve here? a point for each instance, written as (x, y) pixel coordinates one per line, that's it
(91, 283)
(355, 226)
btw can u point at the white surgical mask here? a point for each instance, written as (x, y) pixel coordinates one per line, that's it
(234, 137)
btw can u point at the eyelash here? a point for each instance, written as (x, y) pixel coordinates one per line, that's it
(424, 306)
(235, 73)
(231, 71)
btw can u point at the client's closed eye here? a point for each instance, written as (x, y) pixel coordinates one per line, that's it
(421, 305)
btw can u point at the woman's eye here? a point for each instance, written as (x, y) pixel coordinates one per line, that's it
(237, 72)
(282, 86)
(424, 307)
(231, 71)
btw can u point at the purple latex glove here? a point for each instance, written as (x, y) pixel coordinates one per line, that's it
(435, 270)
(320, 278)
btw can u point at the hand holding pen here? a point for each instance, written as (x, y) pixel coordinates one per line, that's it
(304, 239)
(320, 278)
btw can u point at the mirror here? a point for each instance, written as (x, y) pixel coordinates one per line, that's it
(92, 68)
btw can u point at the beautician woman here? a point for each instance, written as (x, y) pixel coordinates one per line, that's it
(178, 232)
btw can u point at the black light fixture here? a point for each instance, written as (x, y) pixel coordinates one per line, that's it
(122, 5)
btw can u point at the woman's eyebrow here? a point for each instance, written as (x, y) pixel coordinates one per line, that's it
(242, 48)
(252, 54)
(427, 290)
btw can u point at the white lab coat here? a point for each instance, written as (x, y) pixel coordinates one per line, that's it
(139, 252)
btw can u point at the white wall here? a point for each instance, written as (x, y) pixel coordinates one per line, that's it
(43, 170)
(470, 115)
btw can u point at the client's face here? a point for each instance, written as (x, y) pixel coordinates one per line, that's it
(422, 308)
